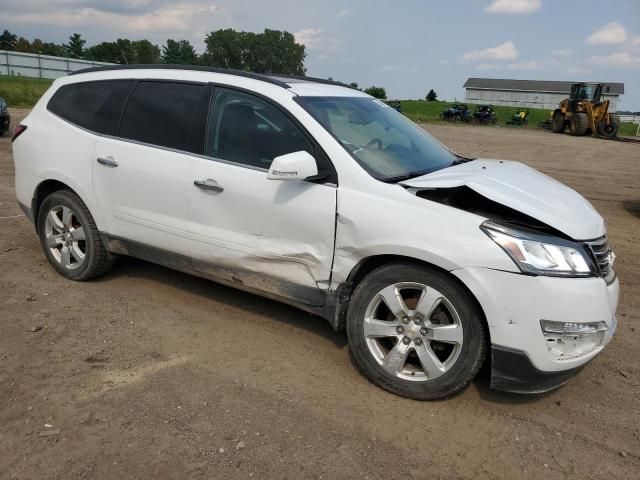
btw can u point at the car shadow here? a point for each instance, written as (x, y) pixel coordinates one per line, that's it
(132, 267)
(632, 206)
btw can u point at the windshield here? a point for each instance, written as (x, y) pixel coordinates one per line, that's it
(387, 144)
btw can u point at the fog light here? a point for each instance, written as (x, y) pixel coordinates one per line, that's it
(573, 328)
(572, 339)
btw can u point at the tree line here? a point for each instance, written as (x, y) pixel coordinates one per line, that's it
(272, 51)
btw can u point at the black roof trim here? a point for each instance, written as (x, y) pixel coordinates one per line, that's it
(301, 78)
(199, 68)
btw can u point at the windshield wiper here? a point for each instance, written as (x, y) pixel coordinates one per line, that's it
(405, 176)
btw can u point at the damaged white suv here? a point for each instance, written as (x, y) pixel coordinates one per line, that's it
(325, 198)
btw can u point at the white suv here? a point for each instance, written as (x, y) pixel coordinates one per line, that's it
(320, 196)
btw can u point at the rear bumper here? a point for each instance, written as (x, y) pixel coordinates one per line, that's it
(512, 371)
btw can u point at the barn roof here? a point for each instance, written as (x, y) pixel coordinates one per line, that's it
(550, 86)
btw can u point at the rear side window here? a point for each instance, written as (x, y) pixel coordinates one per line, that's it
(161, 113)
(90, 104)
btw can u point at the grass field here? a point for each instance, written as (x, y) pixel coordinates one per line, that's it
(429, 112)
(22, 91)
(421, 111)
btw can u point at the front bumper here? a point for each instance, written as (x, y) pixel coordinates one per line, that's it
(514, 304)
(512, 371)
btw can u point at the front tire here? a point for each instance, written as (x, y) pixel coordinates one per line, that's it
(608, 130)
(579, 124)
(415, 332)
(70, 238)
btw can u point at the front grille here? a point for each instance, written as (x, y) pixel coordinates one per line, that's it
(602, 254)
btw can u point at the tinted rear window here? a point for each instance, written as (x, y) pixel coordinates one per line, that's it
(161, 113)
(88, 104)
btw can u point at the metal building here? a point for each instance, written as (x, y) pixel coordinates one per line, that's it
(528, 93)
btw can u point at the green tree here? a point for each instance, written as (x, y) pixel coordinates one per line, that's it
(75, 47)
(8, 40)
(179, 52)
(223, 49)
(104, 52)
(145, 52)
(355, 85)
(53, 49)
(272, 51)
(36, 45)
(23, 45)
(432, 96)
(377, 92)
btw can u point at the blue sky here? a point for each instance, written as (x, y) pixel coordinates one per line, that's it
(407, 46)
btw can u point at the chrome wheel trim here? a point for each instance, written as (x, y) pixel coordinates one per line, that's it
(391, 340)
(65, 237)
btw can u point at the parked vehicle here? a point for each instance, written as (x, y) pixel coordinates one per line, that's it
(5, 118)
(586, 112)
(325, 198)
(484, 115)
(520, 118)
(458, 112)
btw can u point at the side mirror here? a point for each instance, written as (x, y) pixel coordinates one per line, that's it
(293, 166)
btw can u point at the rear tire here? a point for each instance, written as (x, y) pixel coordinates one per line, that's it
(579, 124)
(558, 124)
(431, 348)
(70, 238)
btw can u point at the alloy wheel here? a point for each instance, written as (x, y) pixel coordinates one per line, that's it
(413, 331)
(65, 237)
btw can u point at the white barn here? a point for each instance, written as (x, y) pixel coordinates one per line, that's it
(528, 93)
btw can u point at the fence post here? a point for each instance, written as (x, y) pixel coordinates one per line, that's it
(39, 67)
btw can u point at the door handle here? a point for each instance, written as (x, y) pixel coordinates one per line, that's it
(107, 161)
(208, 184)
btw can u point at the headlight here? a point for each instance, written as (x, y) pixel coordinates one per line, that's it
(538, 254)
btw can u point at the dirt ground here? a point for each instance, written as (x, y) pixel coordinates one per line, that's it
(149, 373)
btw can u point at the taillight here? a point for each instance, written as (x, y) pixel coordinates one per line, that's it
(18, 131)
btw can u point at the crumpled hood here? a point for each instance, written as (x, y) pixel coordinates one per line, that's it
(522, 188)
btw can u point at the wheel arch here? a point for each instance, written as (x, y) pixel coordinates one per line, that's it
(369, 264)
(46, 188)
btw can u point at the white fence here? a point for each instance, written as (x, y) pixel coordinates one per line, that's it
(43, 66)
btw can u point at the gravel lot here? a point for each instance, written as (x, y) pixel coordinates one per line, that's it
(149, 373)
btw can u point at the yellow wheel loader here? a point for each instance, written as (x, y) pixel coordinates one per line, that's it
(585, 112)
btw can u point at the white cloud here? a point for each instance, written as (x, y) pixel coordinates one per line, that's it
(504, 51)
(344, 12)
(530, 65)
(563, 52)
(443, 62)
(389, 68)
(514, 6)
(611, 34)
(321, 45)
(178, 17)
(635, 41)
(616, 59)
(309, 37)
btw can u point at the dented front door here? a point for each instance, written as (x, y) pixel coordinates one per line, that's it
(274, 236)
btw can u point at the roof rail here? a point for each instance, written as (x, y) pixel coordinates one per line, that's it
(199, 68)
(284, 77)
